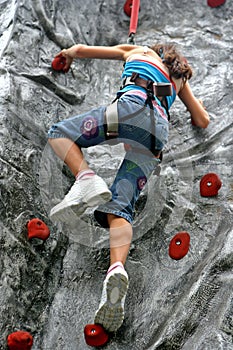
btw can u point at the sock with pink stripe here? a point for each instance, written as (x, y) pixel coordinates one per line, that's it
(85, 174)
(115, 265)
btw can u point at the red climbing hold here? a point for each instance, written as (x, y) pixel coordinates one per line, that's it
(95, 335)
(215, 3)
(128, 7)
(179, 245)
(209, 185)
(193, 122)
(37, 229)
(58, 64)
(20, 340)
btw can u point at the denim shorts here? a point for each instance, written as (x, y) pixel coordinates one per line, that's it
(135, 129)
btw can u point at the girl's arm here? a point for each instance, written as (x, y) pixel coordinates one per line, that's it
(118, 52)
(194, 106)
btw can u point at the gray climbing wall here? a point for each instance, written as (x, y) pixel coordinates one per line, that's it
(52, 289)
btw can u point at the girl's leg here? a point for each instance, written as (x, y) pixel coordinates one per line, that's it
(88, 190)
(70, 153)
(120, 238)
(111, 309)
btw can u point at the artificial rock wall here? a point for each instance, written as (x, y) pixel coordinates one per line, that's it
(52, 288)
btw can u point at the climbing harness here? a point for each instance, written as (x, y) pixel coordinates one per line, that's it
(160, 90)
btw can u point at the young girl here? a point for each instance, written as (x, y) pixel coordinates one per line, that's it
(142, 112)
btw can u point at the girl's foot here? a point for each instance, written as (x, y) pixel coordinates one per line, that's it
(86, 192)
(111, 309)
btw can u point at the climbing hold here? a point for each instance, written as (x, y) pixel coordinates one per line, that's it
(193, 122)
(215, 3)
(20, 340)
(209, 185)
(95, 335)
(179, 245)
(58, 64)
(128, 7)
(37, 229)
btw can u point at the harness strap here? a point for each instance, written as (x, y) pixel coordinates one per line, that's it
(111, 114)
(160, 90)
(111, 120)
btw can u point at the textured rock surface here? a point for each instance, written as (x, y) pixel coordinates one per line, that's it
(52, 289)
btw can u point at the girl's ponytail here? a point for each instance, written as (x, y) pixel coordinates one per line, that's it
(177, 64)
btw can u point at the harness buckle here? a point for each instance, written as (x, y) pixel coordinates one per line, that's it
(112, 134)
(162, 89)
(134, 77)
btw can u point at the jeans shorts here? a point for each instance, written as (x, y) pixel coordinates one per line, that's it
(135, 129)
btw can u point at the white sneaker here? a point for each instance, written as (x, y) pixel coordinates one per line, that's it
(86, 192)
(111, 309)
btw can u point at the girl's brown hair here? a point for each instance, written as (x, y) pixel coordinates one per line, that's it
(176, 63)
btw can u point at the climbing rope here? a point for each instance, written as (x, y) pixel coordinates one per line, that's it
(131, 9)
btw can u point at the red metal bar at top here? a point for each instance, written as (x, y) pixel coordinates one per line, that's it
(134, 17)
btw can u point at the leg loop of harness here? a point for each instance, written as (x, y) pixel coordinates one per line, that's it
(111, 121)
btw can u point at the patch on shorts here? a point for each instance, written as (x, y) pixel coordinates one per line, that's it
(141, 181)
(89, 127)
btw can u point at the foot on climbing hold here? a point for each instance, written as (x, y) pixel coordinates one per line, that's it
(95, 335)
(215, 3)
(37, 229)
(58, 64)
(210, 185)
(179, 245)
(20, 340)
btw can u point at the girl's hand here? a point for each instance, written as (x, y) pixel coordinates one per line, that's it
(68, 59)
(195, 106)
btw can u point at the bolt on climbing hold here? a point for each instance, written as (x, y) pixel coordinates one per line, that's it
(37, 229)
(95, 335)
(20, 340)
(215, 3)
(210, 184)
(179, 245)
(58, 64)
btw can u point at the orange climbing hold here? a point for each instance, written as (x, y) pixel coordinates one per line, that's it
(37, 229)
(179, 245)
(210, 184)
(58, 64)
(215, 3)
(20, 340)
(95, 335)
